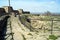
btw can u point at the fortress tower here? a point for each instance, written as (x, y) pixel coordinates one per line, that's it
(20, 11)
(8, 9)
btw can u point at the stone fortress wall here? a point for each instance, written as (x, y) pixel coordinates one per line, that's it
(8, 10)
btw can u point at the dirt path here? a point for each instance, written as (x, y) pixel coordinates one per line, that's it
(20, 32)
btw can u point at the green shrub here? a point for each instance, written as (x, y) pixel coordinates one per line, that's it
(30, 34)
(53, 37)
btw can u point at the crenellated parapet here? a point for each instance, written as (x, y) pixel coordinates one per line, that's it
(8, 9)
(20, 11)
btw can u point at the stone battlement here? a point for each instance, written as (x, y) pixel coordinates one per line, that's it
(9, 9)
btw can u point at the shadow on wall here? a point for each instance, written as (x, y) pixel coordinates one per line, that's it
(3, 28)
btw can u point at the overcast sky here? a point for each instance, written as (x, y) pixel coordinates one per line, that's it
(34, 5)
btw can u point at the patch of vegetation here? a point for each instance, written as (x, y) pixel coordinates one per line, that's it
(29, 34)
(23, 37)
(53, 37)
(23, 18)
(59, 36)
(56, 27)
